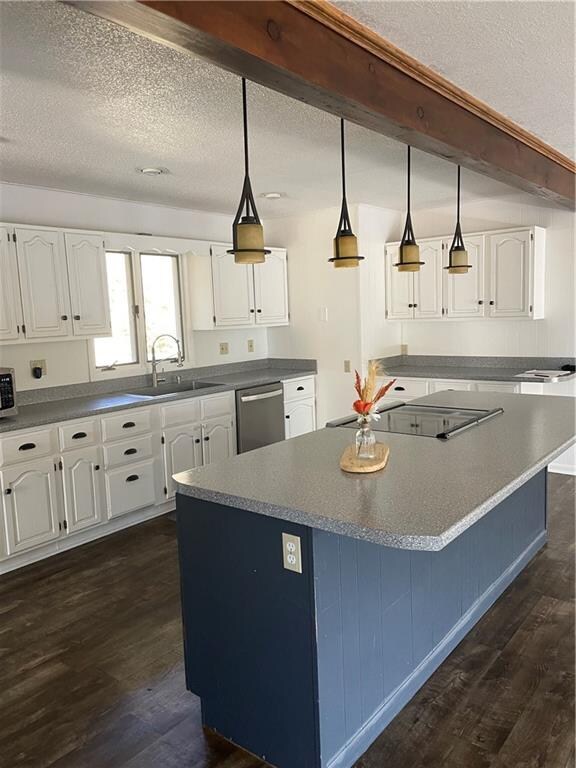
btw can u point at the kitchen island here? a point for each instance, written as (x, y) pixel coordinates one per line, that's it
(304, 666)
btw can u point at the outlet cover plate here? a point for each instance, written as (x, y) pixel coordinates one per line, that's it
(292, 553)
(224, 349)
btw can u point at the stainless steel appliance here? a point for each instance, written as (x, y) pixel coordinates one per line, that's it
(7, 393)
(259, 416)
(438, 421)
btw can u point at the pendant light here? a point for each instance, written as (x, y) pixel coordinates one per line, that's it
(409, 252)
(247, 231)
(458, 255)
(345, 242)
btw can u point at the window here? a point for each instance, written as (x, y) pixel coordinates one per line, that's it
(121, 348)
(162, 306)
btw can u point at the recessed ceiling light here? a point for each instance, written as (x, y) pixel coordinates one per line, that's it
(272, 195)
(151, 171)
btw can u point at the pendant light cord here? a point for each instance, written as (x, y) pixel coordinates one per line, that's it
(458, 199)
(343, 158)
(408, 186)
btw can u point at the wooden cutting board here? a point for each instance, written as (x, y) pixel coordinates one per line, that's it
(351, 463)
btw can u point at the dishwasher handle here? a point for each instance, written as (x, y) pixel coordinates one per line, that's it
(261, 396)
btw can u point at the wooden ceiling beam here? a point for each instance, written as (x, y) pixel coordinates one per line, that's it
(311, 51)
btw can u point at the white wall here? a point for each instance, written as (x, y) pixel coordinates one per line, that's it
(67, 362)
(552, 336)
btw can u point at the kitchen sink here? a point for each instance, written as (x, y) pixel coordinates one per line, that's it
(165, 390)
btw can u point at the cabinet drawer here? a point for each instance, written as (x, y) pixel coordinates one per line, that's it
(181, 412)
(23, 447)
(130, 488)
(218, 405)
(406, 389)
(78, 435)
(441, 385)
(496, 386)
(296, 389)
(126, 424)
(128, 451)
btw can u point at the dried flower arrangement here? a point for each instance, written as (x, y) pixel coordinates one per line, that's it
(368, 397)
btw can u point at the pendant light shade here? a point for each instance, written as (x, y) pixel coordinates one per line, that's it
(345, 242)
(247, 231)
(458, 255)
(409, 251)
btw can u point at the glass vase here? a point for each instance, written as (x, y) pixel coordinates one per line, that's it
(365, 440)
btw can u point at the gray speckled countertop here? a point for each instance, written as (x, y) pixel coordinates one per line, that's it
(430, 492)
(472, 368)
(37, 414)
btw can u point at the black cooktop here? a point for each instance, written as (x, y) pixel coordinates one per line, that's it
(425, 420)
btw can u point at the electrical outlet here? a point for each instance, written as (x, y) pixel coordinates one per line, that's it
(38, 364)
(403, 349)
(224, 350)
(292, 554)
(347, 366)
(250, 345)
(323, 314)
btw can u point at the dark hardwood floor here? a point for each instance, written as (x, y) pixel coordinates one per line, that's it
(91, 672)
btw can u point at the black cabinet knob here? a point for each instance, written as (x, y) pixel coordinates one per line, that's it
(491, 303)
(252, 311)
(8, 491)
(415, 305)
(480, 302)
(76, 317)
(206, 438)
(197, 440)
(287, 415)
(410, 305)
(97, 467)
(258, 310)
(64, 317)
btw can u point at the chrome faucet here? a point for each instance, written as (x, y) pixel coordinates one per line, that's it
(179, 360)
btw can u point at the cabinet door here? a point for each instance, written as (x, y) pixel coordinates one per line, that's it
(30, 505)
(182, 451)
(86, 259)
(300, 417)
(464, 294)
(509, 260)
(399, 288)
(233, 286)
(10, 302)
(271, 289)
(83, 478)
(42, 270)
(217, 440)
(428, 282)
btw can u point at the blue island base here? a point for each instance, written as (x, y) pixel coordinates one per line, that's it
(306, 670)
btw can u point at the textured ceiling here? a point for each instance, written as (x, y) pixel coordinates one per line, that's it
(85, 102)
(516, 55)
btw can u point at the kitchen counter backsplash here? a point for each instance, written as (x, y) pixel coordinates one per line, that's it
(128, 383)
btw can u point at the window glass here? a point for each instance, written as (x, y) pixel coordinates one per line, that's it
(162, 311)
(121, 348)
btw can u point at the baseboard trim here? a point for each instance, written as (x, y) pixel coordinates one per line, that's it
(366, 735)
(115, 524)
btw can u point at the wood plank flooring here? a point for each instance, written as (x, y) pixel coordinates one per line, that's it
(91, 671)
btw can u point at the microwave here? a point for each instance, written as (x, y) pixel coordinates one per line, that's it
(7, 393)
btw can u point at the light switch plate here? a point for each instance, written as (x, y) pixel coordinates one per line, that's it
(292, 554)
(224, 348)
(347, 366)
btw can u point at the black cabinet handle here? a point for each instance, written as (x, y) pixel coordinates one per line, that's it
(76, 317)
(415, 305)
(79, 435)
(8, 491)
(130, 451)
(480, 302)
(258, 310)
(27, 446)
(491, 303)
(287, 415)
(299, 389)
(97, 467)
(410, 306)
(131, 478)
(400, 389)
(206, 438)
(64, 317)
(197, 440)
(128, 425)
(252, 311)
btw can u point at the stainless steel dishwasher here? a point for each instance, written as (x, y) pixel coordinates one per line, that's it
(259, 416)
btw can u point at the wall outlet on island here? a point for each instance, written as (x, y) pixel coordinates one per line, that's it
(292, 555)
(224, 349)
(250, 345)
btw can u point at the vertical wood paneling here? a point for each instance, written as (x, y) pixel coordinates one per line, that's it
(370, 627)
(350, 634)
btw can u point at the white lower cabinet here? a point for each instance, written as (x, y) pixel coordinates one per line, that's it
(30, 505)
(83, 481)
(300, 417)
(218, 440)
(130, 487)
(182, 450)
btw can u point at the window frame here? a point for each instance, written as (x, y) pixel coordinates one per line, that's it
(134, 246)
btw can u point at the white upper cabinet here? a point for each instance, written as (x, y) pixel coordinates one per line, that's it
(428, 282)
(43, 280)
(506, 279)
(399, 288)
(271, 289)
(86, 260)
(464, 293)
(247, 294)
(10, 303)
(509, 265)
